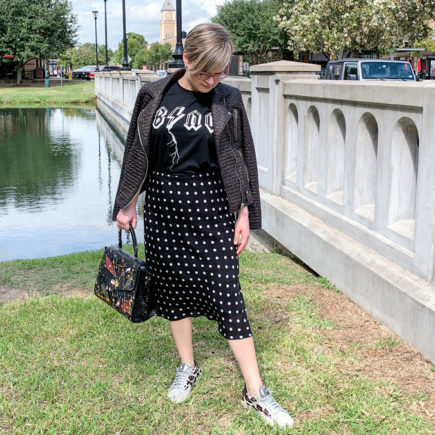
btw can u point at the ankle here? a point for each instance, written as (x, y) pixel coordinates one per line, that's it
(191, 362)
(253, 389)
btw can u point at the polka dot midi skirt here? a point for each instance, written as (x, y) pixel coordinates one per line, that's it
(190, 253)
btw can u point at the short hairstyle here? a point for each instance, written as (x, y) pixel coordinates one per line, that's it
(209, 47)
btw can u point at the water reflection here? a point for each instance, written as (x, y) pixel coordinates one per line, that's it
(59, 170)
(38, 159)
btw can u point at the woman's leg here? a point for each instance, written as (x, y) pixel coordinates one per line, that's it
(256, 395)
(244, 351)
(187, 372)
(182, 334)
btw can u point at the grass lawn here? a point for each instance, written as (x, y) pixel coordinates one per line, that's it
(69, 94)
(70, 364)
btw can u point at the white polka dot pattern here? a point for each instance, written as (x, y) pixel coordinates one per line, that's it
(190, 252)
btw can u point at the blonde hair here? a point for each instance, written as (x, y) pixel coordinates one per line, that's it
(209, 47)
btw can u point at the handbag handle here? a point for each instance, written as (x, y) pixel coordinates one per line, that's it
(133, 237)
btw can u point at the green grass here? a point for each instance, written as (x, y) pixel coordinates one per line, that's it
(53, 274)
(74, 366)
(387, 342)
(70, 94)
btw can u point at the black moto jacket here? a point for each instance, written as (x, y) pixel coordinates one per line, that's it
(233, 140)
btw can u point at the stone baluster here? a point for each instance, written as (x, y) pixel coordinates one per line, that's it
(268, 115)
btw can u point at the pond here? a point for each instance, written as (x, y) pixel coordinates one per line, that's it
(59, 170)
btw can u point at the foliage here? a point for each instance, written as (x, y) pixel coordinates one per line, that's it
(429, 43)
(36, 28)
(155, 55)
(251, 25)
(85, 55)
(135, 43)
(141, 58)
(338, 27)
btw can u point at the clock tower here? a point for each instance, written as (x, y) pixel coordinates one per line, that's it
(168, 26)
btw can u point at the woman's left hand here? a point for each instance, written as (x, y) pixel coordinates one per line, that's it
(241, 230)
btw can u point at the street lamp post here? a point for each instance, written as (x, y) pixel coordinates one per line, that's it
(96, 41)
(105, 32)
(124, 35)
(178, 53)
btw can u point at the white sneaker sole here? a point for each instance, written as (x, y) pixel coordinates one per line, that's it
(267, 419)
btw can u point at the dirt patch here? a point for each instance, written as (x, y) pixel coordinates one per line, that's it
(381, 354)
(8, 294)
(69, 292)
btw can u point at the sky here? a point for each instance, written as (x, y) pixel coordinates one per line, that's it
(142, 16)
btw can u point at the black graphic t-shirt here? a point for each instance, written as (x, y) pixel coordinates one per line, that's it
(182, 133)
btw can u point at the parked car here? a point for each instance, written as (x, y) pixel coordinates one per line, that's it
(110, 68)
(160, 73)
(89, 73)
(369, 69)
(77, 73)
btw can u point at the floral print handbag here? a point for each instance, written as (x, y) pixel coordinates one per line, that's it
(124, 282)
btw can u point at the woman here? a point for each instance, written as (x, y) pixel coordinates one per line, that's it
(189, 146)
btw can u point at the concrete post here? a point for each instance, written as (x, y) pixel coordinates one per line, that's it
(268, 115)
(143, 76)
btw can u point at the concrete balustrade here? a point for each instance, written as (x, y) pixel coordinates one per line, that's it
(347, 179)
(116, 93)
(358, 157)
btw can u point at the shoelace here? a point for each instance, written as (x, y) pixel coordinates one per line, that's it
(271, 404)
(181, 376)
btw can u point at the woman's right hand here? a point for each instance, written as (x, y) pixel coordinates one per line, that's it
(126, 217)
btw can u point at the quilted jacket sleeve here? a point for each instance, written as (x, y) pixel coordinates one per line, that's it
(130, 181)
(251, 163)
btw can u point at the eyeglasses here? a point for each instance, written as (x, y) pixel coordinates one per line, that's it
(216, 77)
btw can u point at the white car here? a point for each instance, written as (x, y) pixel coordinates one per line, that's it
(369, 69)
(160, 73)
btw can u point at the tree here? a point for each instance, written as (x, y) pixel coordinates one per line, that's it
(155, 55)
(141, 58)
(339, 27)
(427, 44)
(36, 28)
(252, 27)
(85, 55)
(135, 43)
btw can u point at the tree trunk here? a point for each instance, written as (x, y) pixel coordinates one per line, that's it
(19, 74)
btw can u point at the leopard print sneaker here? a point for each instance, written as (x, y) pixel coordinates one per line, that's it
(184, 379)
(267, 407)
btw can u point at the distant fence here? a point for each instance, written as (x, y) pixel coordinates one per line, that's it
(347, 177)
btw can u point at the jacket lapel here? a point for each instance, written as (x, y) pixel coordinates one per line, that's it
(145, 120)
(146, 116)
(220, 113)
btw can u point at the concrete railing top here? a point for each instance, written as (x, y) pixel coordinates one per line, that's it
(115, 73)
(242, 83)
(144, 72)
(125, 73)
(284, 66)
(384, 93)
